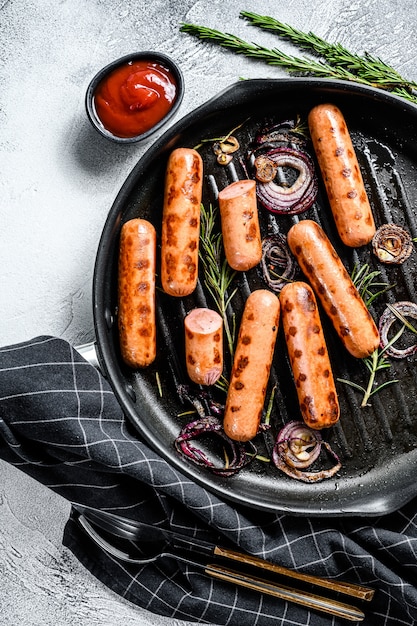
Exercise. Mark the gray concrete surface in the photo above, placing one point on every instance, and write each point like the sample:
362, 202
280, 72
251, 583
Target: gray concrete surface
58, 180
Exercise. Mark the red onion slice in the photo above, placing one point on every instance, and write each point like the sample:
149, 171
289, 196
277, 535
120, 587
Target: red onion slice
392, 244
297, 447
211, 425
278, 264
295, 198
387, 319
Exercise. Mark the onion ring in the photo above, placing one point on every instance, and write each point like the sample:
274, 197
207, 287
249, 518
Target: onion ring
392, 244
278, 264
297, 447
287, 131
387, 319
211, 425
295, 198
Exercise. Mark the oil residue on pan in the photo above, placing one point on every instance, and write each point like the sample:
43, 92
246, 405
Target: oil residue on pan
367, 439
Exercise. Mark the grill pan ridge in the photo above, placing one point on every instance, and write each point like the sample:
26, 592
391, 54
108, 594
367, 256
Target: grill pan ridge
377, 444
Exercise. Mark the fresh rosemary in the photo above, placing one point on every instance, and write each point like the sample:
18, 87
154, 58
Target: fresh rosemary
218, 275
364, 280
375, 362
372, 69
272, 56
334, 61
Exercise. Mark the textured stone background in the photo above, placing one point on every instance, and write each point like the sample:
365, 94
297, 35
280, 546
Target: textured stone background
58, 180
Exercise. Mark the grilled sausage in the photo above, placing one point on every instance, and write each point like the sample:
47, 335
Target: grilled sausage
308, 355
181, 222
251, 365
136, 293
342, 177
204, 345
333, 286
240, 225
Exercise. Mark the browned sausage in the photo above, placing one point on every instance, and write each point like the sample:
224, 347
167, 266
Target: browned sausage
136, 293
251, 365
309, 358
333, 286
181, 222
204, 345
341, 175
240, 225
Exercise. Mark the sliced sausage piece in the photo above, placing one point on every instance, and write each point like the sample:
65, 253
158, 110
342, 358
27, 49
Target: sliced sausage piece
136, 293
251, 365
341, 175
181, 222
240, 225
309, 356
204, 345
333, 286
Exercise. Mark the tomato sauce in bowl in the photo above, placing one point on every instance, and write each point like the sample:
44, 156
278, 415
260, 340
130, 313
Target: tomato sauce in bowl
134, 96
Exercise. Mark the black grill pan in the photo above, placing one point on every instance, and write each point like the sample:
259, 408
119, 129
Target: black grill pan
377, 444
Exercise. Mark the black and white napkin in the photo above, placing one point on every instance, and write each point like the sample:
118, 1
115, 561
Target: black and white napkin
61, 424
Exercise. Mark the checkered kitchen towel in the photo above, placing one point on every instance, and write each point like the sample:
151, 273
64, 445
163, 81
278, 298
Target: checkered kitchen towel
61, 424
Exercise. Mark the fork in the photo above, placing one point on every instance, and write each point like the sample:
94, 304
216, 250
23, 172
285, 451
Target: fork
183, 548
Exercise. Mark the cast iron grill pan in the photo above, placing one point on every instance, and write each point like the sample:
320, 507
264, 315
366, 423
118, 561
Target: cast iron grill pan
377, 444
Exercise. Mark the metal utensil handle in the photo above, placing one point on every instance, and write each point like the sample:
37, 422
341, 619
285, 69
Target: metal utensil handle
351, 589
303, 598
89, 352
133, 531
309, 600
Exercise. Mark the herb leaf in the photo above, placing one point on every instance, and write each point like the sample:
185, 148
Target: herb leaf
218, 275
375, 362
334, 60
368, 67
272, 56
364, 280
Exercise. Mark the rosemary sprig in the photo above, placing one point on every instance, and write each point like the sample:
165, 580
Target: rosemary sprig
272, 56
371, 68
375, 362
218, 275
336, 61
222, 383
364, 280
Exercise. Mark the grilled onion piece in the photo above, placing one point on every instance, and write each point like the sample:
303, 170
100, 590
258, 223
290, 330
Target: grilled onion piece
392, 244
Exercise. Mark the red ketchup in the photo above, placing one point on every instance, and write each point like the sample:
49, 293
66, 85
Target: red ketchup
134, 97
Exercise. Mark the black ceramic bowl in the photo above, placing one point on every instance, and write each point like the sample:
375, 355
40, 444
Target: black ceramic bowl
172, 72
